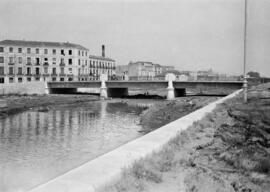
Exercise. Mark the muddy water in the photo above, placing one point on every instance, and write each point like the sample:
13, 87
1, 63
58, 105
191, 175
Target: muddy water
38, 146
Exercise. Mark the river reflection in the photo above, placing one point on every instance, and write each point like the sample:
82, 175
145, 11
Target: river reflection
38, 146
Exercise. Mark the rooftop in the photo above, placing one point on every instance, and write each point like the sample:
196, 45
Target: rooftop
101, 58
24, 43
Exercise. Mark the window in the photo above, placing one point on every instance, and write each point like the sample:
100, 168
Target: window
37, 71
54, 51
28, 50
79, 62
1, 49
19, 79
70, 69
11, 60
79, 52
20, 59
62, 52
62, 62
1, 59
2, 80
28, 70
53, 79
70, 52
82, 53
70, 61
37, 51
19, 50
45, 69
45, 59
28, 78
10, 71
28, 60
11, 80
45, 51
54, 70
2, 71
37, 61
62, 79
54, 60
20, 71
62, 70
11, 49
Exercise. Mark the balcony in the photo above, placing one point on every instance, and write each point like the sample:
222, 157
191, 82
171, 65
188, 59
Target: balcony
28, 74
28, 63
62, 64
46, 74
20, 74
37, 63
11, 63
46, 64
11, 74
54, 74
37, 74
62, 74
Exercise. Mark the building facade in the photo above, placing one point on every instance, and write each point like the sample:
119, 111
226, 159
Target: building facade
25, 61
145, 70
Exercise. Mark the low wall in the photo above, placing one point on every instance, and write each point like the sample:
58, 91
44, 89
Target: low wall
108, 167
35, 87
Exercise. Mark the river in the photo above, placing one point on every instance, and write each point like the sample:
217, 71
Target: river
38, 146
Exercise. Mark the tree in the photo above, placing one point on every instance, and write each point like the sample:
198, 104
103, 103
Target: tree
253, 74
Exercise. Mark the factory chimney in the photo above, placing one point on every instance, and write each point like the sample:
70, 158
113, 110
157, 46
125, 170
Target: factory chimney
103, 50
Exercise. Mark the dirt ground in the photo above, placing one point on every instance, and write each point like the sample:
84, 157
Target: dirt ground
18, 103
227, 151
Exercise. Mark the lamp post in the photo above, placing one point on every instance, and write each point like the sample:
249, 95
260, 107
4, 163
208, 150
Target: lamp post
245, 83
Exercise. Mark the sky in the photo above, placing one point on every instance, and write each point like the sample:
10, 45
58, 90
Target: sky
189, 34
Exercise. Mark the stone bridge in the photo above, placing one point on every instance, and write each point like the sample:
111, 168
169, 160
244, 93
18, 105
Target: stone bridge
174, 88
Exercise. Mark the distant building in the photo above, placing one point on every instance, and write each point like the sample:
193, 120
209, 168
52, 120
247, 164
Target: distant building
166, 68
145, 70
24, 61
121, 71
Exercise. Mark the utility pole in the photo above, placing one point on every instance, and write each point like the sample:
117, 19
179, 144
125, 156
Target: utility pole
245, 83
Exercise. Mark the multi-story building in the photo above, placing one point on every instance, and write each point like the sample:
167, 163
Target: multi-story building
22, 61
145, 70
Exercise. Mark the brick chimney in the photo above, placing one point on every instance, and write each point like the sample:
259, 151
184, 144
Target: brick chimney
103, 50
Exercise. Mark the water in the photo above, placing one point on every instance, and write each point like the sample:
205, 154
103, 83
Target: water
38, 146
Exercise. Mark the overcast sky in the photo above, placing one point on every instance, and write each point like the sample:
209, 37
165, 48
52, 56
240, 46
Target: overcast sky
189, 34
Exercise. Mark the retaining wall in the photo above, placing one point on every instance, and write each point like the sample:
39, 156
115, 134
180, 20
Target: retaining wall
35, 87
106, 168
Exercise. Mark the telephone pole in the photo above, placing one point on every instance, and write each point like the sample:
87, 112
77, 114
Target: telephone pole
245, 83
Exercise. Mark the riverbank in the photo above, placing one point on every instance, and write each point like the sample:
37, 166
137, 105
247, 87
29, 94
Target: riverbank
229, 150
13, 104
167, 111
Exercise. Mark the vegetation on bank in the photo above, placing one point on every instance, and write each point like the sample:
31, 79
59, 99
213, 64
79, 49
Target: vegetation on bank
228, 150
165, 112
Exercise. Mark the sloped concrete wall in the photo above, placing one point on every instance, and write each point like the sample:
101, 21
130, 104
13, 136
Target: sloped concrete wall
106, 168
35, 87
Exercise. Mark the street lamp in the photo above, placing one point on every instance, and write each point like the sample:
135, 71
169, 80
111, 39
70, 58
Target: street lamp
245, 83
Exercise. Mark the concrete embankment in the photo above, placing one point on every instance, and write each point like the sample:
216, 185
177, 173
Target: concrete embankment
108, 167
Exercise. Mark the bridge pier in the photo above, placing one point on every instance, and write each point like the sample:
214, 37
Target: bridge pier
170, 89
103, 88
